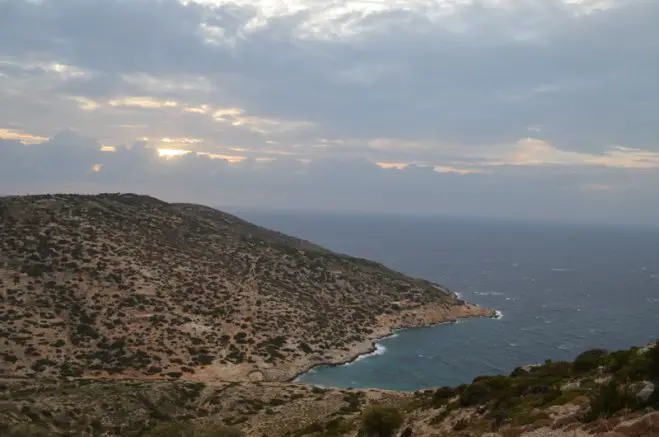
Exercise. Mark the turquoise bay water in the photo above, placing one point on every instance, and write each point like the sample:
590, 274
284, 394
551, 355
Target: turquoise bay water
561, 289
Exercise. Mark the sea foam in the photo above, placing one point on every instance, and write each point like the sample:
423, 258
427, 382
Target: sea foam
379, 350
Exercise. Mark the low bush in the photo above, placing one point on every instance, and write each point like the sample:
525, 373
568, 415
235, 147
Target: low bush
310, 429
590, 360
485, 389
610, 399
653, 362
381, 421
186, 429
442, 395
460, 425
633, 365
26, 430
620, 359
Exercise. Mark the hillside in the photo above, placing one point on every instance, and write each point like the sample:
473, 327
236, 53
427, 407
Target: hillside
128, 286
600, 394
125, 316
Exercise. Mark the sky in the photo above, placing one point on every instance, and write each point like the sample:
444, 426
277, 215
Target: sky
531, 109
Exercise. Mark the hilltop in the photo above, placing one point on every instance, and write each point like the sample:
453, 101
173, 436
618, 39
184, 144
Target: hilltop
130, 287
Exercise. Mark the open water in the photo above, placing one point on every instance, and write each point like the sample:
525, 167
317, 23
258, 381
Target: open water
561, 289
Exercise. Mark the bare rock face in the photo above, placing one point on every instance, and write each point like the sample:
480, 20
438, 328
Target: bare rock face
564, 421
128, 286
645, 391
643, 427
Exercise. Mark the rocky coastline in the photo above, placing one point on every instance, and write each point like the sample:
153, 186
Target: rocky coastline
426, 316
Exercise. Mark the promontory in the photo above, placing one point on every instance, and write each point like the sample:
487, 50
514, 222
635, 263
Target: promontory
125, 286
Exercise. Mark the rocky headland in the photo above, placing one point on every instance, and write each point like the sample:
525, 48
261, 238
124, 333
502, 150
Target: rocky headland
126, 316
128, 286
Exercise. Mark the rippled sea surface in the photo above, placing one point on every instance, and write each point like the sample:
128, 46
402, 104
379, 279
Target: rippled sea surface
561, 289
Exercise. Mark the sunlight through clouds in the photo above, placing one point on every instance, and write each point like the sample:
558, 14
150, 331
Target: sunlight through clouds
23, 137
224, 114
349, 18
202, 109
155, 84
172, 153
437, 101
54, 69
531, 151
143, 102
84, 103
231, 159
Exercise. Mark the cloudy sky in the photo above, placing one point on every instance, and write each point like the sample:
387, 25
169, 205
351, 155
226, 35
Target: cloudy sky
511, 108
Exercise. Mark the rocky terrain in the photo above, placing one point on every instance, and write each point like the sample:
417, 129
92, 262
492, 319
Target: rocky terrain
125, 316
132, 408
600, 394
127, 286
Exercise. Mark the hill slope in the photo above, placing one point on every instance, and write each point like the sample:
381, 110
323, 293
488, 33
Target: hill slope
600, 394
128, 286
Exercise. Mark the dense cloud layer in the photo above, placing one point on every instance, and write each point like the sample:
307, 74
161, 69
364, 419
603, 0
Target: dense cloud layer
533, 108
71, 164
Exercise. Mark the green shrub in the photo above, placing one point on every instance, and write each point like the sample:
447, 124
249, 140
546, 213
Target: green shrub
523, 417
317, 390
171, 429
475, 394
635, 367
337, 427
620, 359
519, 371
485, 389
27, 430
552, 369
653, 362
589, 360
215, 430
310, 429
567, 397
186, 429
461, 388
552, 395
381, 421
461, 424
442, 395
610, 399
499, 417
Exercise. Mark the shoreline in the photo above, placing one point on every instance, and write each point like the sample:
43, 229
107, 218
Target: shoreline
392, 331
371, 351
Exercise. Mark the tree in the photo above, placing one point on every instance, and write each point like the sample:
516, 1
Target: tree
653, 362
610, 399
381, 421
589, 360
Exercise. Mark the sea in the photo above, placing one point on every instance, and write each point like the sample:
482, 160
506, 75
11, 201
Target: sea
559, 289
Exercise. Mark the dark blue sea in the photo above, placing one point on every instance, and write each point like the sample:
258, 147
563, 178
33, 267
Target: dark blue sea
561, 289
